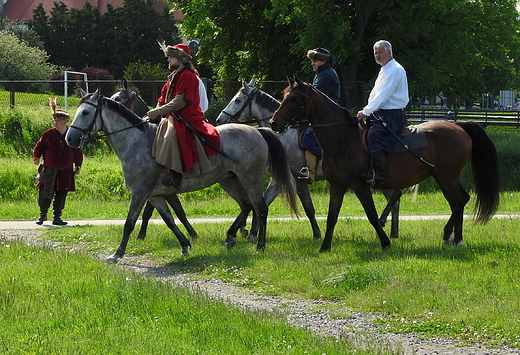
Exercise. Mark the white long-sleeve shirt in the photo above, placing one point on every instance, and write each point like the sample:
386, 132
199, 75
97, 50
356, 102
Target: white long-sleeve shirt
390, 91
203, 96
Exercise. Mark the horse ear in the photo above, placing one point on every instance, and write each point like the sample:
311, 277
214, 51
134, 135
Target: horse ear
82, 92
290, 80
298, 81
252, 83
124, 84
96, 94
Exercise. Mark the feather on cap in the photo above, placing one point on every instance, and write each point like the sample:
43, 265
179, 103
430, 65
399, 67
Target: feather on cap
57, 114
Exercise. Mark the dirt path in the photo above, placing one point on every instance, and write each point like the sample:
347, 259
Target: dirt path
358, 328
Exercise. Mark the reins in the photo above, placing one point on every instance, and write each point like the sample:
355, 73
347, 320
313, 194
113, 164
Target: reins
99, 111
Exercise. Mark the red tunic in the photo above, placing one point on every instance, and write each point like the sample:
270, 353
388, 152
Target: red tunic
186, 82
57, 154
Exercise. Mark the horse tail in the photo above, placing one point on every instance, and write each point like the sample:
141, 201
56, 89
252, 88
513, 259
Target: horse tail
279, 169
485, 170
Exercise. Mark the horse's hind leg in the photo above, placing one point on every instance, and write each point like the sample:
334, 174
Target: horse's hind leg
457, 197
147, 214
232, 186
174, 201
392, 205
159, 202
302, 189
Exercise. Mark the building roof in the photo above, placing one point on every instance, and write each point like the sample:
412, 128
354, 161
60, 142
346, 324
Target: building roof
22, 10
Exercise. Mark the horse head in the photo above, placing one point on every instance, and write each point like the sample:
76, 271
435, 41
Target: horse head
86, 120
130, 99
294, 101
235, 111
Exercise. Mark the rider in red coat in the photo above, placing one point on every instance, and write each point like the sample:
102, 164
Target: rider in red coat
175, 146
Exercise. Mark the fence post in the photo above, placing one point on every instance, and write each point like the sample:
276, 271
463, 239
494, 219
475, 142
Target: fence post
11, 95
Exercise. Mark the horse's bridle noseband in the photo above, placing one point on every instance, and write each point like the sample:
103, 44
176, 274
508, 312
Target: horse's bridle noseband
85, 137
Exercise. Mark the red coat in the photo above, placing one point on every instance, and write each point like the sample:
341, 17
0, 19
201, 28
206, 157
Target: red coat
57, 154
187, 82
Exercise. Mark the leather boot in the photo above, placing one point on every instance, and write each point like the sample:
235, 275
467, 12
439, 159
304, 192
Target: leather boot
378, 172
42, 218
309, 172
57, 221
173, 178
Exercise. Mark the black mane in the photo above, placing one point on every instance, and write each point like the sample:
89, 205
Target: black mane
117, 107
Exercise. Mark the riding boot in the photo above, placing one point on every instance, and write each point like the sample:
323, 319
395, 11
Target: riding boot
59, 205
43, 216
378, 170
309, 172
173, 178
44, 204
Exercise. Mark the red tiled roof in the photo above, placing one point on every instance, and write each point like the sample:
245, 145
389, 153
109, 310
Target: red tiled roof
22, 10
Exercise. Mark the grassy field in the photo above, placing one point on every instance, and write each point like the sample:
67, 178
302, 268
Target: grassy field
468, 292
56, 302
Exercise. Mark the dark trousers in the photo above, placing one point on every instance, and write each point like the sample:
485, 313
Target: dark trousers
379, 138
58, 205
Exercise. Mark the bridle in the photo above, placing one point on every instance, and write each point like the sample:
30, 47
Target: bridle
85, 136
247, 103
296, 119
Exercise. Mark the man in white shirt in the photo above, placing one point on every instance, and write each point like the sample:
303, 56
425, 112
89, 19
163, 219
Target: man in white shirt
386, 102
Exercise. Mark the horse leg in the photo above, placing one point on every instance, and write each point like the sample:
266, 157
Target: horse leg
336, 193
232, 186
457, 197
147, 214
365, 197
136, 204
159, 202
392, 205
302, 188
174, 201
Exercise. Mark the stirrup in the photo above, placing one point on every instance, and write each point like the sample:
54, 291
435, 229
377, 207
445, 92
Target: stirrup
304, 173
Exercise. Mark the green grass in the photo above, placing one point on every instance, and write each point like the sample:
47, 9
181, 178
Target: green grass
468, 292
55, 302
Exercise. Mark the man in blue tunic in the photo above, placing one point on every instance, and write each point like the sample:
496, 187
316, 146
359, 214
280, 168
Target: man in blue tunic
326, 80
386, 104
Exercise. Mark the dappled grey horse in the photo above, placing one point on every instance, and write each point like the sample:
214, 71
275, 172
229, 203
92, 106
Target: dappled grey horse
252, 105
131, 100
131, 138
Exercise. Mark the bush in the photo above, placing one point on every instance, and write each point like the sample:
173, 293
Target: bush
19, 61
145, 71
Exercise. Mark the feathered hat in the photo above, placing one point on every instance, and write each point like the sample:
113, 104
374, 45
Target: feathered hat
57, 114
180, 51
319, 54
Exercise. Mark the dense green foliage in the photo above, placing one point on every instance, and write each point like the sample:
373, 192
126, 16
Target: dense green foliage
79, 38
19, 61
456, 47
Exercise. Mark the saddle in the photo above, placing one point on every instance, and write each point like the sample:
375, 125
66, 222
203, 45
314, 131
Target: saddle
414, 137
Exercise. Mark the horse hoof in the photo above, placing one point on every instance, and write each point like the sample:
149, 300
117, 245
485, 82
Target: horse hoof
244, 232
250, 239
260, 247
230, 244
185, 251
112, 259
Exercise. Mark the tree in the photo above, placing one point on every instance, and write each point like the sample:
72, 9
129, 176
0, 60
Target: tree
80, 38
446, 46
19, 61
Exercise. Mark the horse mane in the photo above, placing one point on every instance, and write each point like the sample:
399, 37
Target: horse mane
120, 109
345, 111
267, 101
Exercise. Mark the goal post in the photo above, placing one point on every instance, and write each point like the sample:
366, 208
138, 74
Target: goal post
66, 84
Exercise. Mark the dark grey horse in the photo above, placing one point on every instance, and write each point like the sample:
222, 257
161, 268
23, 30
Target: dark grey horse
252, 105
132, 139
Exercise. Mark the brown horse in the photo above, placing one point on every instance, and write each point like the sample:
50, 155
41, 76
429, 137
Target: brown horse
450, 146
